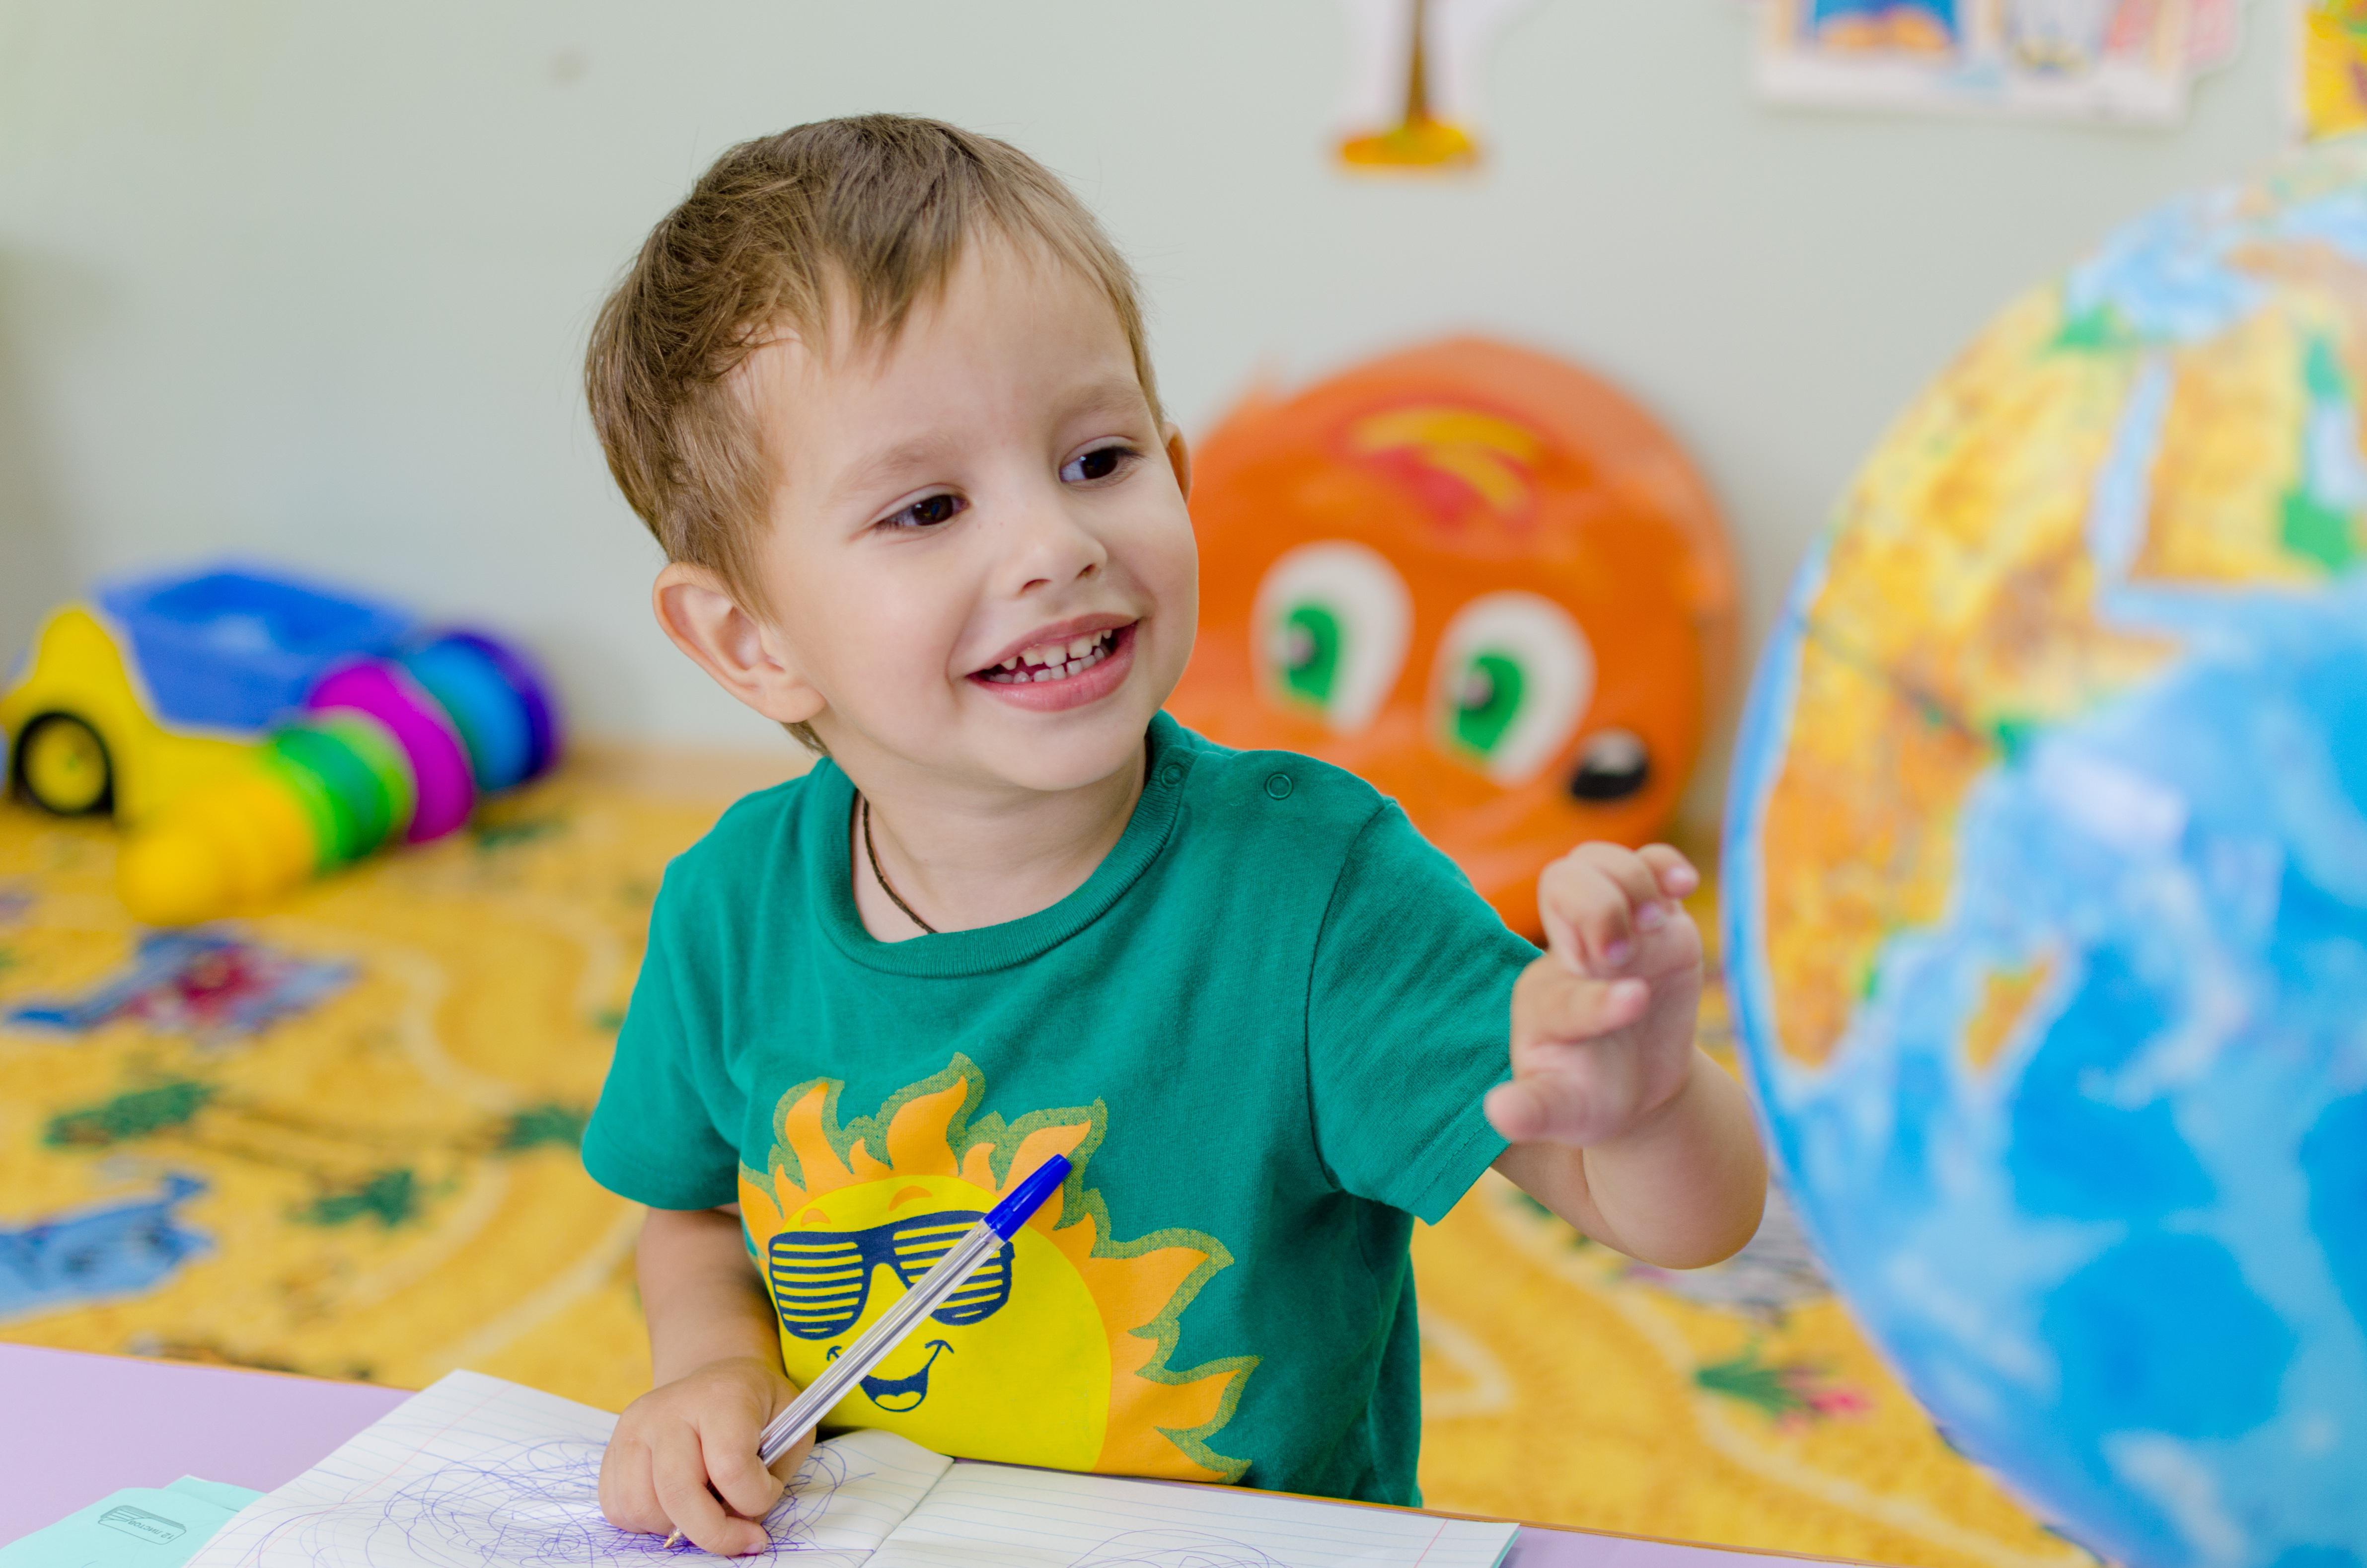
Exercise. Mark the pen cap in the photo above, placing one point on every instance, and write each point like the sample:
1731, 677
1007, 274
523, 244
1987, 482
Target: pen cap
1005, 1217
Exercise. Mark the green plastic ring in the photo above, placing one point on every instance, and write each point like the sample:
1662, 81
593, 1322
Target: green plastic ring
376, 745
360, 809
314, 798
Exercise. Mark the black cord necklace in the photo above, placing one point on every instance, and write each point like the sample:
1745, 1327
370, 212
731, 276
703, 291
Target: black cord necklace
872, 851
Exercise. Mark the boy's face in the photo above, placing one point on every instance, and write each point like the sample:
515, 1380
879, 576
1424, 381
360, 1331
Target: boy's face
979, 562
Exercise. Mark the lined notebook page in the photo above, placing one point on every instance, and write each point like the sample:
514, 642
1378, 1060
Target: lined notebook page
475, 1471
985, 1516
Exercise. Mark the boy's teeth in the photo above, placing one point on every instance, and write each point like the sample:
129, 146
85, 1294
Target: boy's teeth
1053, 661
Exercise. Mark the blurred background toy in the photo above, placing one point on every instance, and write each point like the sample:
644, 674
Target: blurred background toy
251, 730
2047, 881
1479, 577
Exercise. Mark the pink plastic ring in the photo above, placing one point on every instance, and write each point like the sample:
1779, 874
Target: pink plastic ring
439, 765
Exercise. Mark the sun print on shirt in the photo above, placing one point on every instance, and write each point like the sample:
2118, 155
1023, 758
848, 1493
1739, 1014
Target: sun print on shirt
1056, 1353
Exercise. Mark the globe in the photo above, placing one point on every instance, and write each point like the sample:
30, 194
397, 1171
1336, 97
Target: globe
2047, 886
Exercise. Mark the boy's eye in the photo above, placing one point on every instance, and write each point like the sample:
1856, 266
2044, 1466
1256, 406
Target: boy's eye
1099, 463
927, 512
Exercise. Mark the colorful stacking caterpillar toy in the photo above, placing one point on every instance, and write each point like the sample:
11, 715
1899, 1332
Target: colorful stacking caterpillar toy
251, 732
387, 751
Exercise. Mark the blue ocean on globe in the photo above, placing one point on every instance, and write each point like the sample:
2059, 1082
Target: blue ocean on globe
2127, 1267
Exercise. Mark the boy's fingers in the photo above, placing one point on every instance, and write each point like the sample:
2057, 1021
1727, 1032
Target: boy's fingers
1586, 916
626, 1499
1552, 1005
1530, 1109
791, 1457
680, 1476
732, 1469
1676, 875
1517, 1112
1628, 870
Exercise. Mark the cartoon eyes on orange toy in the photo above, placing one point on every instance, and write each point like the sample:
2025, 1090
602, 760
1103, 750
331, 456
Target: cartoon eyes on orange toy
1330, 631
1514, 675
1512, 679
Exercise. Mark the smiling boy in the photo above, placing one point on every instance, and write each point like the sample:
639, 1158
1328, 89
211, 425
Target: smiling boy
880, 389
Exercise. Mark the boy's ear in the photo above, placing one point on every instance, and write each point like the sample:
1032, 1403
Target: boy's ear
745, 655
1179, 458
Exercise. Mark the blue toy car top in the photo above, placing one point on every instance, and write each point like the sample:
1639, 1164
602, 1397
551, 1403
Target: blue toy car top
229, 648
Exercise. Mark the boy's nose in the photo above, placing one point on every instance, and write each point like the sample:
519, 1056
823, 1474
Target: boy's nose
1050, 548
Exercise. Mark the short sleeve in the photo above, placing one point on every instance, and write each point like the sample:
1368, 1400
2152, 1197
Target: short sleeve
1408, 1022
654, 1137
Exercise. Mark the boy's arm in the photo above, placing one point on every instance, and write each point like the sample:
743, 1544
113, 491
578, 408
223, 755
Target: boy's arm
1618, 1123
1681, 1189
701, 1298
685, 1453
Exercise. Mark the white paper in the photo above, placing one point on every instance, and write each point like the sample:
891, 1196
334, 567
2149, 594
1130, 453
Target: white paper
476, 1470
987, 1516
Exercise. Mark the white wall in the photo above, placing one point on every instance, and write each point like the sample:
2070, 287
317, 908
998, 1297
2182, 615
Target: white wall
312, 279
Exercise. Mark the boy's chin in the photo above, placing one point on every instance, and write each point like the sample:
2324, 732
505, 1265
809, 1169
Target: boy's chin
1076, 751
1071, 763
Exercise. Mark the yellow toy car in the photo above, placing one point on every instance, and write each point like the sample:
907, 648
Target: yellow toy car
151, 687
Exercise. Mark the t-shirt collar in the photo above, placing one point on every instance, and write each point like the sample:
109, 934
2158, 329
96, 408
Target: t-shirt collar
829, 854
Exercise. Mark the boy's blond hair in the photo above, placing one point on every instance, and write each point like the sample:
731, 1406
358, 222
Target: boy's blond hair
865, 216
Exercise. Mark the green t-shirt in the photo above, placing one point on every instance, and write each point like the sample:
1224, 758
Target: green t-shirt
1261, 1030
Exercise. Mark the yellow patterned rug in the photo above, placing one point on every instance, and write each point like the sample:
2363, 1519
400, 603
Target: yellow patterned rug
340, 1139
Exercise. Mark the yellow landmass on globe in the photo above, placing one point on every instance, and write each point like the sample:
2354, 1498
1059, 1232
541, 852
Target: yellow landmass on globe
1955, 611
1957, 614
2229, 457
2006, 998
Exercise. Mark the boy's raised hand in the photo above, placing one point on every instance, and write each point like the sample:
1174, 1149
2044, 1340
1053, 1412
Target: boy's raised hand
1602, 1025
683, 1457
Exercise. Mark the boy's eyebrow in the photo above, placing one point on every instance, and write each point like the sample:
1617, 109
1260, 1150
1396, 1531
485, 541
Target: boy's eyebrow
1113, 395
887, 463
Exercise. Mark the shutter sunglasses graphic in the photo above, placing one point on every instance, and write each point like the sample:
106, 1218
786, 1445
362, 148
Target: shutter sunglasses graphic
823, 1278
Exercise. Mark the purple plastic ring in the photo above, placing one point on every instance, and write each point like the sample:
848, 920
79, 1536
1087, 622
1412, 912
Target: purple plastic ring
440, 764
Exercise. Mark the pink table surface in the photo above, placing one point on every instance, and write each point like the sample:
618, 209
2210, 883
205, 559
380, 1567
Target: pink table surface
75, 1427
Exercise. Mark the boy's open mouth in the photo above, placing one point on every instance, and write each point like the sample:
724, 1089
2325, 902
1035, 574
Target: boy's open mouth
1056, 661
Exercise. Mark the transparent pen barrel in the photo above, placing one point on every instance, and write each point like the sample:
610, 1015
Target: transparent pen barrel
854, 1363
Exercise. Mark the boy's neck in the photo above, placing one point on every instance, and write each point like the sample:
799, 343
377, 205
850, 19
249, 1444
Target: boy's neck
963, 857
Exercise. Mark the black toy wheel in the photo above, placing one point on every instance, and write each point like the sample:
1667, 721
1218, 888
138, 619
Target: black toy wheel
63, 766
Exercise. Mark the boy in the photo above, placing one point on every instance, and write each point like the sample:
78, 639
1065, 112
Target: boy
880, 389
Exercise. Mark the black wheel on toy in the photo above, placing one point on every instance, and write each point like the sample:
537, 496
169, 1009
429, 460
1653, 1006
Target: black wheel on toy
63, 767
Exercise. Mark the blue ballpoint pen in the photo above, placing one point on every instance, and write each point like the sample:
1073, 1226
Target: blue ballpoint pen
949, 1274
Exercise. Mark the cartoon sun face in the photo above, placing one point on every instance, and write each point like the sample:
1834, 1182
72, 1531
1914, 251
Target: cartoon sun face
1053, 1354
855, 1252
1481, 579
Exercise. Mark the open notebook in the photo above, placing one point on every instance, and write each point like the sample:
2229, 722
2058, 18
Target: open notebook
476, 1469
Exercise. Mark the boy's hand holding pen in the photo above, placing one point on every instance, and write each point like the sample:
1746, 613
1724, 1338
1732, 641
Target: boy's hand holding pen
694, 1449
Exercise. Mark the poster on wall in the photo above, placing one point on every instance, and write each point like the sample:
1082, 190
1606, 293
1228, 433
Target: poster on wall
2128, 61
1414, 70
2332, 98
